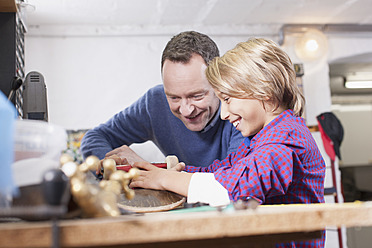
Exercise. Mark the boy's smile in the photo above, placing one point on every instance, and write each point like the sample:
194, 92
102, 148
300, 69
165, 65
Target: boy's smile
236, 123
248, 115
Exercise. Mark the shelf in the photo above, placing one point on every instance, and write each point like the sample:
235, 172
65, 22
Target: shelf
314, 128
8, 6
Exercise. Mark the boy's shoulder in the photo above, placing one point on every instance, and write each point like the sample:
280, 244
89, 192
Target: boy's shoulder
290, 124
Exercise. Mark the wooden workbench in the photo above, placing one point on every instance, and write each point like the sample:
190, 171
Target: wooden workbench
265, 224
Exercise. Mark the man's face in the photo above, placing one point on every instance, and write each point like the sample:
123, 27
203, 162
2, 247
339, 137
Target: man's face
190, 96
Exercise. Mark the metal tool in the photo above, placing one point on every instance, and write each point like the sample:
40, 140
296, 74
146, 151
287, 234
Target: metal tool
17, 82
246, 203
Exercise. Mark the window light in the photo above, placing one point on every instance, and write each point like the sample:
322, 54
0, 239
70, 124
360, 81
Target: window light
360, 84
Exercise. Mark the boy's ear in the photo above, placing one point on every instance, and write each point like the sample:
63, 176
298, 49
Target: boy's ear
269, 105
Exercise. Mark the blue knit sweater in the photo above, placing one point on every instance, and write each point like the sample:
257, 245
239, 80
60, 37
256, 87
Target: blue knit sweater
149, 118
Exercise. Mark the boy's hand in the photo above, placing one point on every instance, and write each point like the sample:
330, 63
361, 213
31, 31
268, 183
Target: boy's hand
178, 167
150, 176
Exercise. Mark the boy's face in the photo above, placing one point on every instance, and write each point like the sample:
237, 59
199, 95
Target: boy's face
247, 115
190, 96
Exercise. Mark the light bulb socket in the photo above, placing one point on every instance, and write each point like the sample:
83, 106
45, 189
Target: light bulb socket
312, 45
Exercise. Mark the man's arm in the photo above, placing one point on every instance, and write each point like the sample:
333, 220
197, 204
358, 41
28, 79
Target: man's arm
236, 140
132, 125
127, 153
95, 143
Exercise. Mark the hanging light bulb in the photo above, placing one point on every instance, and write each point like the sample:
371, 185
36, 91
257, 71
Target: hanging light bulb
312, 45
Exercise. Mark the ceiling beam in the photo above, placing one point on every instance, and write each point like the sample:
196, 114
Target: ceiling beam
330, 29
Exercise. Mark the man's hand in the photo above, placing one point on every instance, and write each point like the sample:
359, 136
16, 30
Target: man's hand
118, 161
122, 155
125, 152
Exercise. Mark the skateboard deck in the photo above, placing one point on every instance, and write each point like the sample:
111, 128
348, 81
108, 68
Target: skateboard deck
150, 200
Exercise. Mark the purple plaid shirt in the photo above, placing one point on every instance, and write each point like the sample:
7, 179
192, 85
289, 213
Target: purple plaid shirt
281, 164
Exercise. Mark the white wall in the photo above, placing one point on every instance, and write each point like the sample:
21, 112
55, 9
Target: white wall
356, 145
90, 78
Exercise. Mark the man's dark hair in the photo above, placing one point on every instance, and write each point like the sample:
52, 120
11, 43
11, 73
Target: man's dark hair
182, 46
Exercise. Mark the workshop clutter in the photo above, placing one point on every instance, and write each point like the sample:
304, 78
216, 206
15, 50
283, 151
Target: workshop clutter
37, 148
7, 118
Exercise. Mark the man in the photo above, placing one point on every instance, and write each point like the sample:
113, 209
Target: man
181, 116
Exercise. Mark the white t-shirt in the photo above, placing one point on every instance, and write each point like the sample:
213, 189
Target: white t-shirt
206, 189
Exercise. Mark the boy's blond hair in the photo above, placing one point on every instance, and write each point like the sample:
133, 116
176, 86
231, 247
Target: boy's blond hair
259, 69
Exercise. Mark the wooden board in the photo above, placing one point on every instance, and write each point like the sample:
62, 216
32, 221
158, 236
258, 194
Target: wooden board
149, 200
167, 229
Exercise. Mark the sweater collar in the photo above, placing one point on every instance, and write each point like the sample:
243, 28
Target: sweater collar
213, 122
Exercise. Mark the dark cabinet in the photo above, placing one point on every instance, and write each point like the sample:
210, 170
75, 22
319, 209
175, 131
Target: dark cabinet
12, 56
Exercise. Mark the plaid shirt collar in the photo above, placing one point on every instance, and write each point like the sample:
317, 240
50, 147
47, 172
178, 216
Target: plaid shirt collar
254, 140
